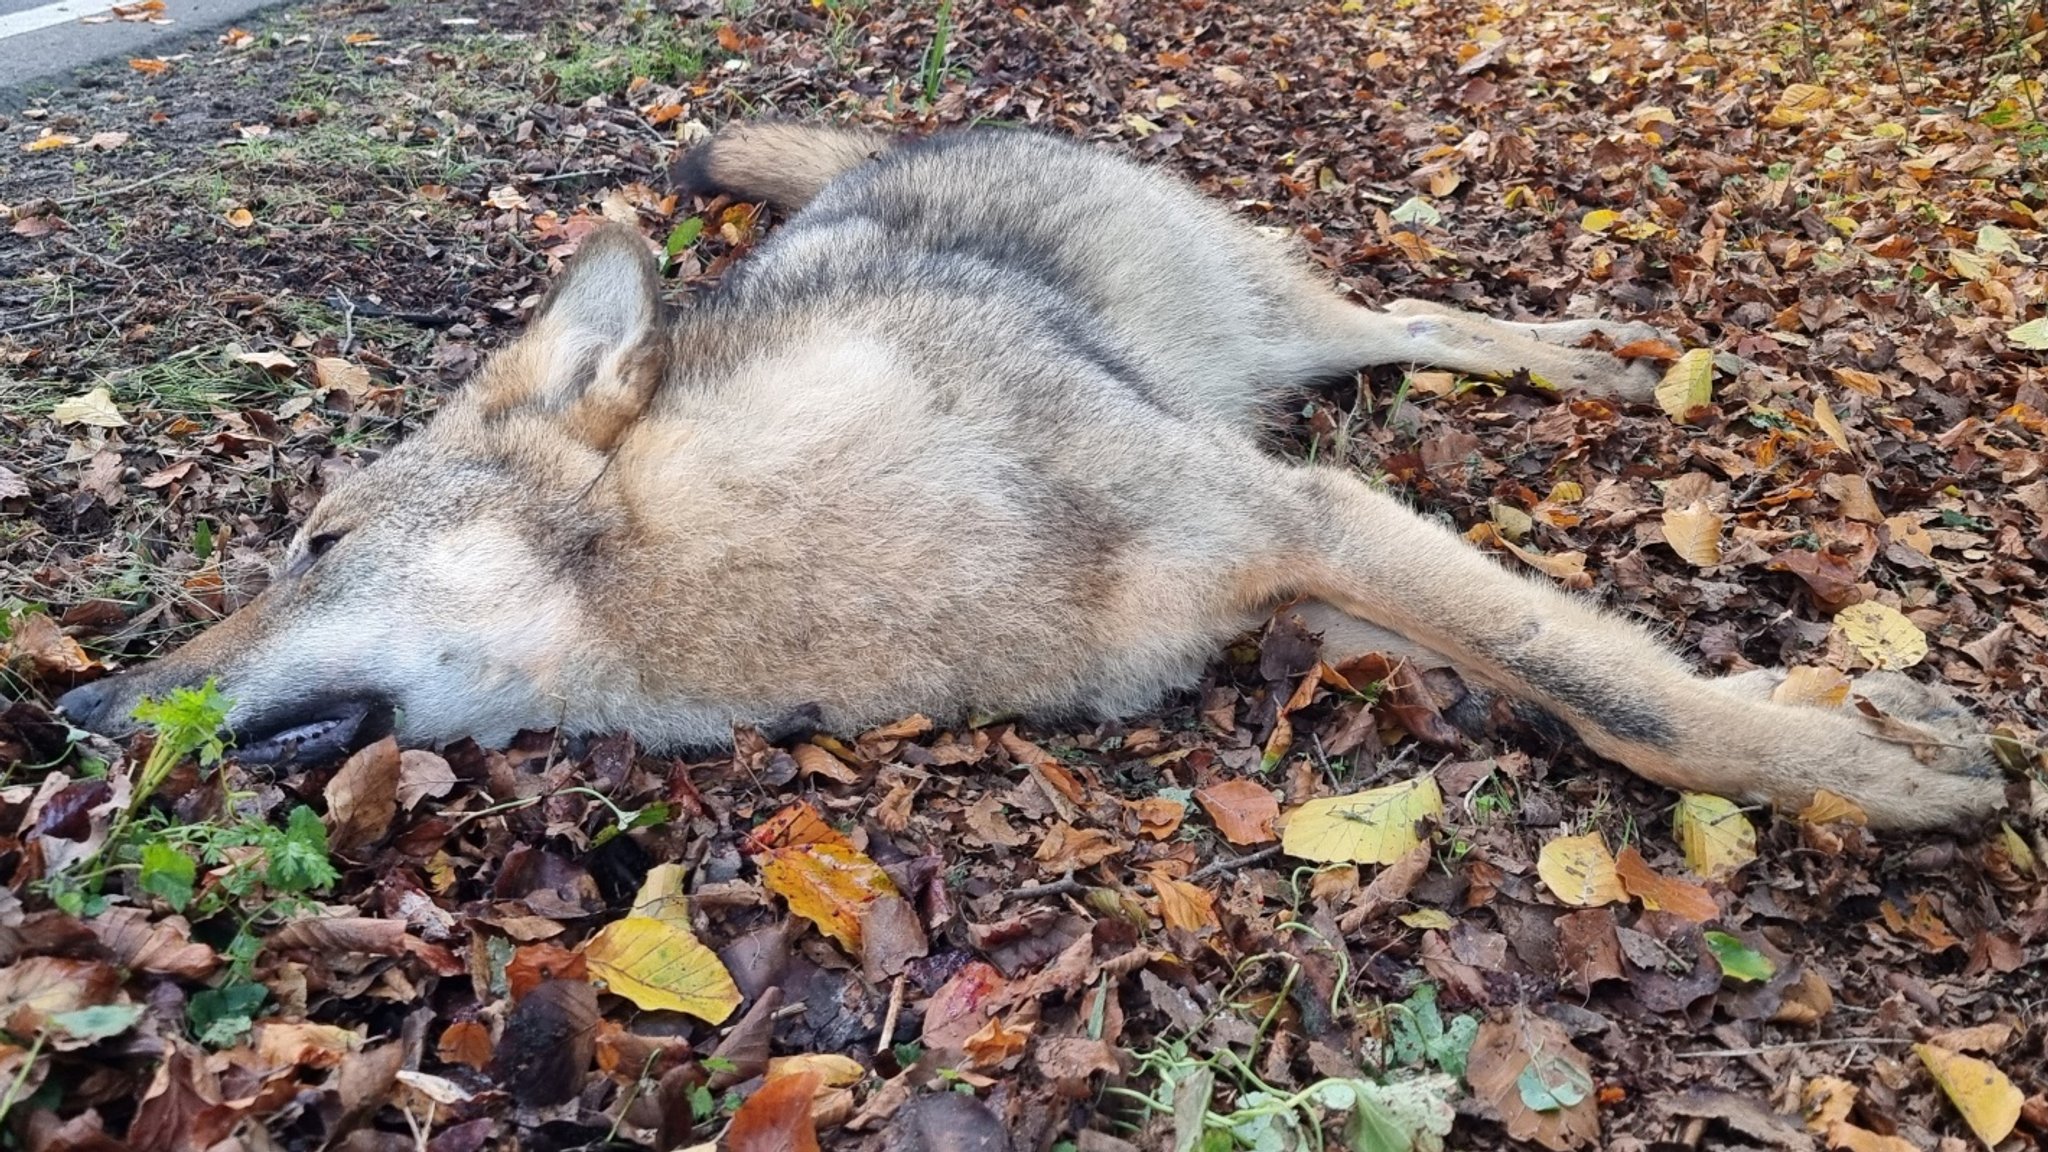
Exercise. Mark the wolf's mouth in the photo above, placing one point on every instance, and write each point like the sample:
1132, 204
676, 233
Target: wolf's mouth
323, 731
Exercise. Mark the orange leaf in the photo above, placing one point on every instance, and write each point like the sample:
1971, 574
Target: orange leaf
1182, 905
831, 885
466, 1042
150, 66
1659, 892
1243, 810
536, 964
777, 1118
996, 1042
794, 827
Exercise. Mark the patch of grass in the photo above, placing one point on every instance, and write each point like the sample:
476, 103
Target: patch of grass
585, 67
195, 382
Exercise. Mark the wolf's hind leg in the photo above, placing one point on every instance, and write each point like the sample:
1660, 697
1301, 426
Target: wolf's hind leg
1623, 693
1346, 336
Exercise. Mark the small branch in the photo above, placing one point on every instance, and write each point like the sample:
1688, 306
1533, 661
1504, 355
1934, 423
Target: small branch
86, 197
1219, 867
1787, 1046
889, 1020
1064, 886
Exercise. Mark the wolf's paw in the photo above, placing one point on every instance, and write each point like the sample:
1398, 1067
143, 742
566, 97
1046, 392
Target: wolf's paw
1911, 754
1601, 371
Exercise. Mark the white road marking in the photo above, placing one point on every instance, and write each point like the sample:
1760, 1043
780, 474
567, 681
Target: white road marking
49, 16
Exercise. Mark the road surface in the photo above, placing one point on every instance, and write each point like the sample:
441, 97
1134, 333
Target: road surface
43, 42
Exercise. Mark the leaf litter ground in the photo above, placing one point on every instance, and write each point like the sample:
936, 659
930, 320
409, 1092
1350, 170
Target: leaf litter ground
236, 272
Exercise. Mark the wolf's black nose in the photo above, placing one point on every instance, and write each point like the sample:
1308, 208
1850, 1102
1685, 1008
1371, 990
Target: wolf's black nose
83, 704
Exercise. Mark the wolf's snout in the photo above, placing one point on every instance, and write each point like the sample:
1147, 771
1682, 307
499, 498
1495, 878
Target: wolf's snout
87, 704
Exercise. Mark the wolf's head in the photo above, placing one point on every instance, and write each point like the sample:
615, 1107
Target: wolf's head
437, 587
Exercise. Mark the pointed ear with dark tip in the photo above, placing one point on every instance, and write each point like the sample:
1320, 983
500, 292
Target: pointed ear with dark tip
596, 349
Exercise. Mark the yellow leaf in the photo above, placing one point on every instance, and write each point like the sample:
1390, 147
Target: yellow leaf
1694, 532
660, 966
661, 896
1805, 686
95, 408
1829, 808
1824, 415
831, 885
1713, 833
1882, 635
1599, 219
1580, 871
45, 143
835, 1070
1969, 265
1428, 919
1989, 1102
1375, 827
2018, 851
1688, 384
1795, 103
241, 218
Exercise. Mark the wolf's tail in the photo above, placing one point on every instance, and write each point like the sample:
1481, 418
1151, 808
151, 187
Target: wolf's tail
784, 164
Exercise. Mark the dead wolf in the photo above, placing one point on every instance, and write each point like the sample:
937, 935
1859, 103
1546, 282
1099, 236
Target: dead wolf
974, 431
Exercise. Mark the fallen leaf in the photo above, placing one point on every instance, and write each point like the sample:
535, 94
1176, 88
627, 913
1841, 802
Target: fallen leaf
1687, 384
1882, 635
1525, 1070
1812, 687
1184, 906
1375, 827
96, 408
1738, 960
1824, 415
777, 1117
1694, 532
1714, 835
1579, 871
830, 885
660, 966
422, 775
833, 1069
1988, 1102
1661, 893
1829, 808
363, 797
2032, 335
1244, 810
1599, 219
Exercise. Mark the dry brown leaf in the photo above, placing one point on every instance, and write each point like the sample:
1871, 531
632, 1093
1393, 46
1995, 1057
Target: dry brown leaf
363, 797
1694, 532
1243, 810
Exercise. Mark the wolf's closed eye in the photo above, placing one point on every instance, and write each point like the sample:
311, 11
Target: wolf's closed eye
319, 545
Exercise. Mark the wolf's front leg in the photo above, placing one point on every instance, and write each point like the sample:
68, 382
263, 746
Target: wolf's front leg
1629, 698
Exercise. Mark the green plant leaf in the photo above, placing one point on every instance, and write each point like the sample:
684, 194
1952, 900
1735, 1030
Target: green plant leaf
221, 1016
1738, 960
296, 861
168, 874
97, 1023
1549, 1084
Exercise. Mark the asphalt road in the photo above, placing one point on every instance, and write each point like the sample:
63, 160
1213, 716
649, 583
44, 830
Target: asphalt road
43, 43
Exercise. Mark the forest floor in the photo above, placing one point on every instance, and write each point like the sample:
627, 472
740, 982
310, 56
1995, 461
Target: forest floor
233, 274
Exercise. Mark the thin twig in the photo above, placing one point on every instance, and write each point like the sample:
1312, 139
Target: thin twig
49, 321
889, 1018
576, 175
1788, 1046
1219, 867
146, 181
1064, 886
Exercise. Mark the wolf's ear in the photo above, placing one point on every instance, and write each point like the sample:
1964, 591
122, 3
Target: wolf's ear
596, 350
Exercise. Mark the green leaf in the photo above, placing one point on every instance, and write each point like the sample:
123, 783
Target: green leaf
1738, 960
187, 721
168, 873
98, 1023
2033, 334
221, 1016
296, 861
682, 236
1549, 1084
1416, 210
